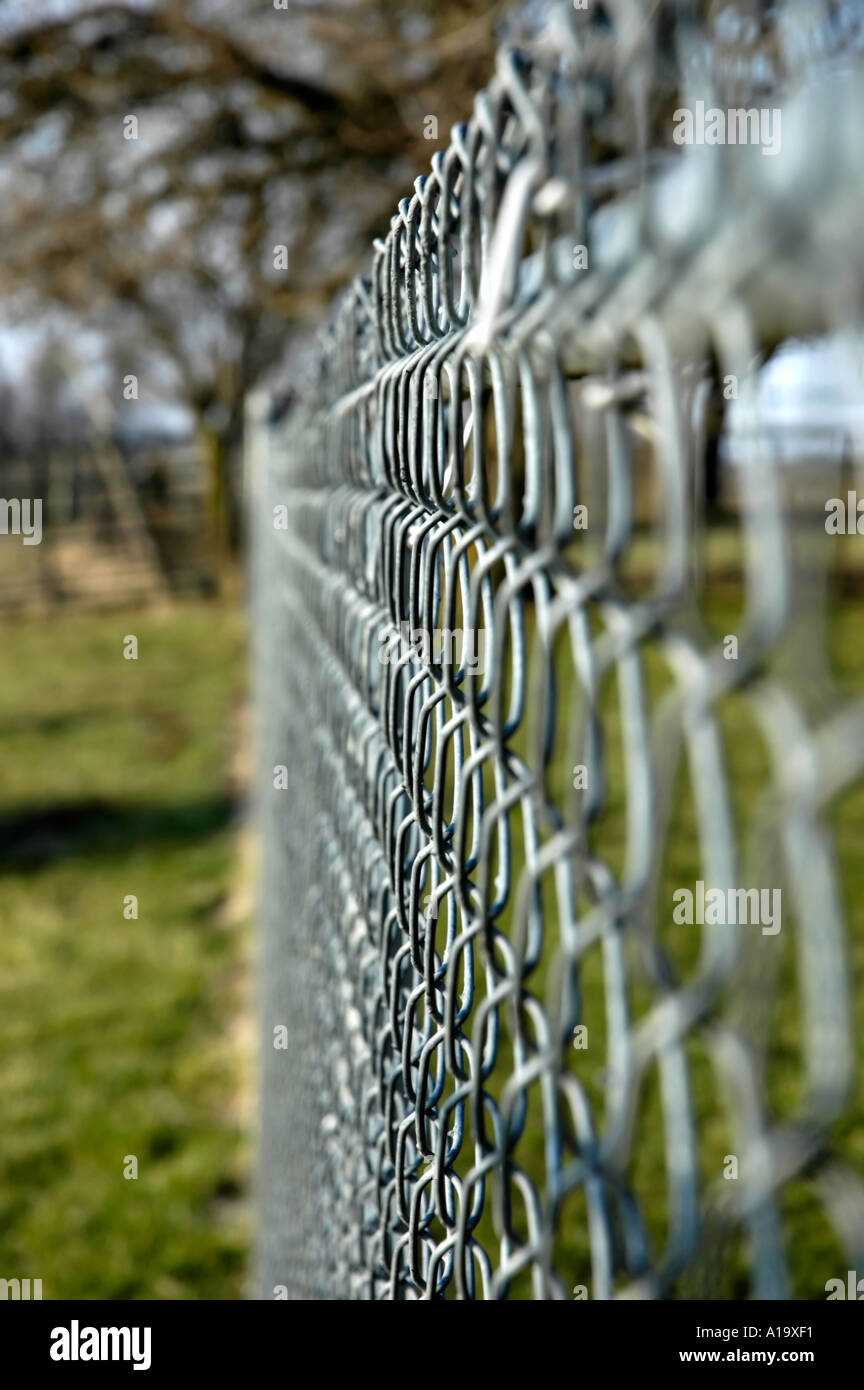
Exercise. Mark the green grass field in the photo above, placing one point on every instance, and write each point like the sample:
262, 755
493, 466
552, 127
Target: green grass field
120, 1036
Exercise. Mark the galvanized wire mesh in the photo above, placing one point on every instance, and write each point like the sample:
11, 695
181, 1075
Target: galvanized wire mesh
468, 862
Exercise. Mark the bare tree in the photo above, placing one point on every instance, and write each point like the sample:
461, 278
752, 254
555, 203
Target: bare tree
194, 179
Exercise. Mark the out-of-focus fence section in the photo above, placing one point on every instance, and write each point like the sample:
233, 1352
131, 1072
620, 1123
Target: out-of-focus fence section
113, 527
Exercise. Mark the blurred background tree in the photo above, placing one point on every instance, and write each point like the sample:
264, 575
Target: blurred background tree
185, 183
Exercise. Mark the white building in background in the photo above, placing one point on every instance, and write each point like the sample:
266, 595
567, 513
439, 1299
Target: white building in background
807, 408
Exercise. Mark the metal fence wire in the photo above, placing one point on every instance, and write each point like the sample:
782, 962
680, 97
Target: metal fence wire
550, 628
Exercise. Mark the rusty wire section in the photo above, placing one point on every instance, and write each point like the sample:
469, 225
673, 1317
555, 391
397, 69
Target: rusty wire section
440, 913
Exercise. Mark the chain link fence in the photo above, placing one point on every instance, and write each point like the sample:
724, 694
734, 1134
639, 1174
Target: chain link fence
551, 634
